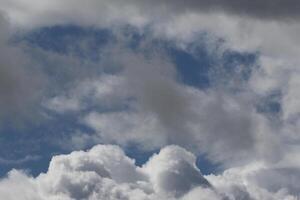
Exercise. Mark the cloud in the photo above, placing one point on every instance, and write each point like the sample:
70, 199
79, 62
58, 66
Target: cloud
146, 103
278, 52
104, 91
105, 172
175, 19
173, 170
20, 83
137, 12
258, 9
19, 161
153, 108
252, 182
162, 111
241, 33
278, 178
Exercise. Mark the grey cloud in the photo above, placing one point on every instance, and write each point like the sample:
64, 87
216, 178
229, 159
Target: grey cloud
216, 122
278, 178
266, 9
140, 12
255, 181
30, 75
152, 108
20, 83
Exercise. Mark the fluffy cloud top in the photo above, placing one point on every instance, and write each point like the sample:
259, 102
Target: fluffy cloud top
105, 172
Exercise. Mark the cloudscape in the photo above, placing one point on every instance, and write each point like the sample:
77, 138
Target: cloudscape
149, 99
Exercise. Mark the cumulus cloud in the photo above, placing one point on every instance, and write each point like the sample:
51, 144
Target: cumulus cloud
250, 182
173, 170
105, 172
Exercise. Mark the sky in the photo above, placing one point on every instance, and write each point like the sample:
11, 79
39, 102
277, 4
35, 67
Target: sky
144, 100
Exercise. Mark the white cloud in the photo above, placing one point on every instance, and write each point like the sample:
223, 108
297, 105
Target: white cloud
248, 183
105, 172
173, 170
62, 104
123, 128
105, 91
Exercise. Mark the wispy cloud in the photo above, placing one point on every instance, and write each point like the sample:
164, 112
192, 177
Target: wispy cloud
26, 159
